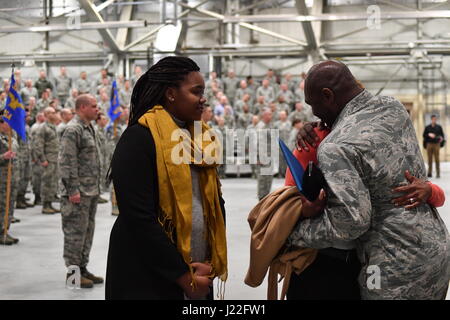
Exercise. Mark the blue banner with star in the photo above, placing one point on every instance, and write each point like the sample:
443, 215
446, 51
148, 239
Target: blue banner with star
14, 113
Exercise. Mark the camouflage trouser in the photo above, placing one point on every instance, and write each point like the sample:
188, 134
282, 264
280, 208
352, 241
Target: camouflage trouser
24, 177
49, 182
264, 183
13, 194
221, 170
78, 224
36, 178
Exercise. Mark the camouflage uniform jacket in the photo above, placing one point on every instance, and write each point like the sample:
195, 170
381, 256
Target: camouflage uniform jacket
79, 159
365, 156
4, 148
47, 143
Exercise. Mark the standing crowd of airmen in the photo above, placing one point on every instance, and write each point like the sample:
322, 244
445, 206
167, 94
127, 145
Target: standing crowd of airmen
68, 149
51, 108
275, 102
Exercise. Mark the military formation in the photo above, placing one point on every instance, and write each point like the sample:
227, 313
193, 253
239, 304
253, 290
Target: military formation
272, 102
36, 163
244, 104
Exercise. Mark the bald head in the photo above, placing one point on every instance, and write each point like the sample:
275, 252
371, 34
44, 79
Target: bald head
329, 86
82, 100
329, 74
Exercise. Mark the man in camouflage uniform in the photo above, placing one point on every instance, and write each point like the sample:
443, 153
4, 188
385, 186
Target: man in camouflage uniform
70, 102
79, 161
265, 166
113, 134
404, 253
24, 166
284, 128
63, 84
42, 84
36, 168
66, 116
221, 131
249, 132
100, 128
5, 157
47, 148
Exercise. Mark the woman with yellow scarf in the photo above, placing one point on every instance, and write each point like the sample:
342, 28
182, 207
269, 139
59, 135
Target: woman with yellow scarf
169, 240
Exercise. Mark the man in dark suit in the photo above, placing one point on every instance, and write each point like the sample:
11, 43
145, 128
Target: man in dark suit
433, 140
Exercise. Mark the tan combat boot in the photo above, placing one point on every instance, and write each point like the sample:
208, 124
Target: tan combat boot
85, 283
85, 273
48, 209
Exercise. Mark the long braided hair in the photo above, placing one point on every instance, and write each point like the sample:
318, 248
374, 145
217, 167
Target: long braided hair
151, 87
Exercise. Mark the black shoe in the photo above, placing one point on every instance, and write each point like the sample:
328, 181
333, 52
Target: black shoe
85, 273
14, 240
6, 241
15, 220
429, 175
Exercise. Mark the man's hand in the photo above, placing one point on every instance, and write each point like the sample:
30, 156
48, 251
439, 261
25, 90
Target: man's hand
9, 155
415, 193
306, 135
44, 164
315, 208
76, 198
202, 285
432, 135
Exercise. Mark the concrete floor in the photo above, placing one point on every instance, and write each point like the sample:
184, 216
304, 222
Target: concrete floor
34, 268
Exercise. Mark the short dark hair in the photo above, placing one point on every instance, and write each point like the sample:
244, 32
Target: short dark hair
433, 116
150, 89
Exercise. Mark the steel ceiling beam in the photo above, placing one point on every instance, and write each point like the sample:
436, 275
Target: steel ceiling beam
122, 33
104, 5
92, 14
307, 26
154, 31
246, 25
82, 26
356, 16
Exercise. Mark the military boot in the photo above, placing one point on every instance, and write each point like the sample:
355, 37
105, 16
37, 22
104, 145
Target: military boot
20, 203
85, 283
37, 200
6, 241
48, 209
85, 273
102, 200
14, 240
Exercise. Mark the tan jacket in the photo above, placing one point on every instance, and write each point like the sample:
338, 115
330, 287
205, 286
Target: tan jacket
271, 222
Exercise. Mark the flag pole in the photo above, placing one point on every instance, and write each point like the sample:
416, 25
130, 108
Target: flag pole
8, 179
8, 188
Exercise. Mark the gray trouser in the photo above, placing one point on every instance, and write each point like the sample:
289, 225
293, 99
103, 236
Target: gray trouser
13, 194
49, 182
264, 183
78, 224
36, 177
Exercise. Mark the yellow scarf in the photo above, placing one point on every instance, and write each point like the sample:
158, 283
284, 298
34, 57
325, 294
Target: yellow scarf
175, 186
